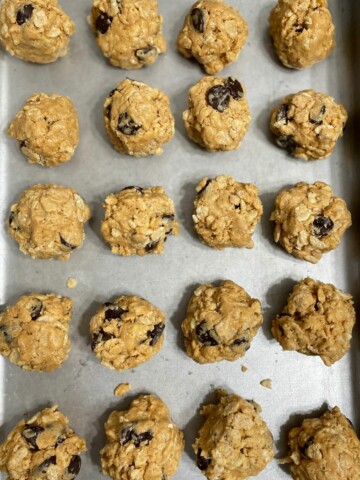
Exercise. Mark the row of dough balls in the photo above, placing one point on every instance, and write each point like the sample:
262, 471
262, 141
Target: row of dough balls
129, 32
143, 442
138, 121
221, 321
48, 220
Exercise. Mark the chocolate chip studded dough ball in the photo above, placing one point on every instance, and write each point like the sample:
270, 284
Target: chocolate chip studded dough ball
234, 442
34, 333
47, 129
213, 33
138, 119
38, 31
317, 320
308, 124
48, 221
43, 447
218, 115
226, 212
142, 442
324, 448
138, 221
220, 322
309, 220
303, 32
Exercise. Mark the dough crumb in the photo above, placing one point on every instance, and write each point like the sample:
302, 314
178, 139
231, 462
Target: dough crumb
71, 282
122, 389
267, 383
244, 368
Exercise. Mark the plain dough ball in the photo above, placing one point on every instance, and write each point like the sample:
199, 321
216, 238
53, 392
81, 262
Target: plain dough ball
127, 332
218, 115
43, 447
303, 32
47, 128
317, 320
324, 448
308, 124
220, 322
37, 32
128, 31
234, 442
138, 221
309, 220
138, 119
142, 442
48, 221
226, 212
213, 33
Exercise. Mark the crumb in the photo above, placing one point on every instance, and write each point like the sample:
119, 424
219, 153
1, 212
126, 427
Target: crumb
121, 389
243, 368
71, 283
267, 383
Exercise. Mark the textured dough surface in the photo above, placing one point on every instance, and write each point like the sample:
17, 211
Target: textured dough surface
142, 442
317, 320
220, 322
221, 128
234, 443
37, 32
48, 221
47, 128
213, 33
34, 333
128, 31
324, 448
308, 124
127, 332
43, 447
138, 221
309, 220
303, 32
226, 212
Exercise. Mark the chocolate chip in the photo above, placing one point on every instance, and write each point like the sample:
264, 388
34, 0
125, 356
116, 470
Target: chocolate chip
108, 111
114, 312
60, 439
235, 88
23, 144
31, 433
208, 181
156, 333
299, 28
74, 467
240, 341
151, 246
350, 423
125, 435
7, 336
307, 444
144, 54
201, 461
318, 120
317, 306
204, 335
128, 434
103, 22
322, 226
100, 336
218, 97
24, 14
67, 244
168, 216
126, 124
138, 189
111, 94
12, 222
197, 19
35, 308
46, 464
144, 437
238, 207
282, 114
287, 142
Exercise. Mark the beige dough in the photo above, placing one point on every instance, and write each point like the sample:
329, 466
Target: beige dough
48, 221
324, 448
317, 320
127, 332
47, 129
138, 221
309, 220
142, 442
37, 32
128, 31
234, 443
303, 32
43, 447
226, 212
213, 33
218, 115
220, 322
308, 124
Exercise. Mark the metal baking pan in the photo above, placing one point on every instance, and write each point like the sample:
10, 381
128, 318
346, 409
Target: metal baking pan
83, 388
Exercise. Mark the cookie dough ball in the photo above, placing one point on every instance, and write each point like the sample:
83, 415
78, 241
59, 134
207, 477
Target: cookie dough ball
324, 448
303, 32
142, 442
220, 322
34, 333
43, 447
48, 221
47, 129
37, 32
213, 33
218, 115
127, 332
234, 442
317, 320
309, 220
308, 124
138, 221
226, 212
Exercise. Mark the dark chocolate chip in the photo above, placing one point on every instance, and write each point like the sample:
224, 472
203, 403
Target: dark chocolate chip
67, 244
235, 88
240, 341
114, 312
30, 433
108, 111
128, 434
35, 309
307, 444
282, 114
23, 144
287, 142
201, 461
197, 19
12, 222
156, 333
138, 189
151, 246
7, 336
126, 124
144, 437
46, 464
60, 439
24, 14
111, 94
103, 22
100, 336
318, 120
208, 181
74, 467
204, 335
144, 54
238, 207
322, 226
168, 216
317, 306
299, 28
218, 97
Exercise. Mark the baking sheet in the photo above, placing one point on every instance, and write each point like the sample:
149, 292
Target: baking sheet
82, 387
